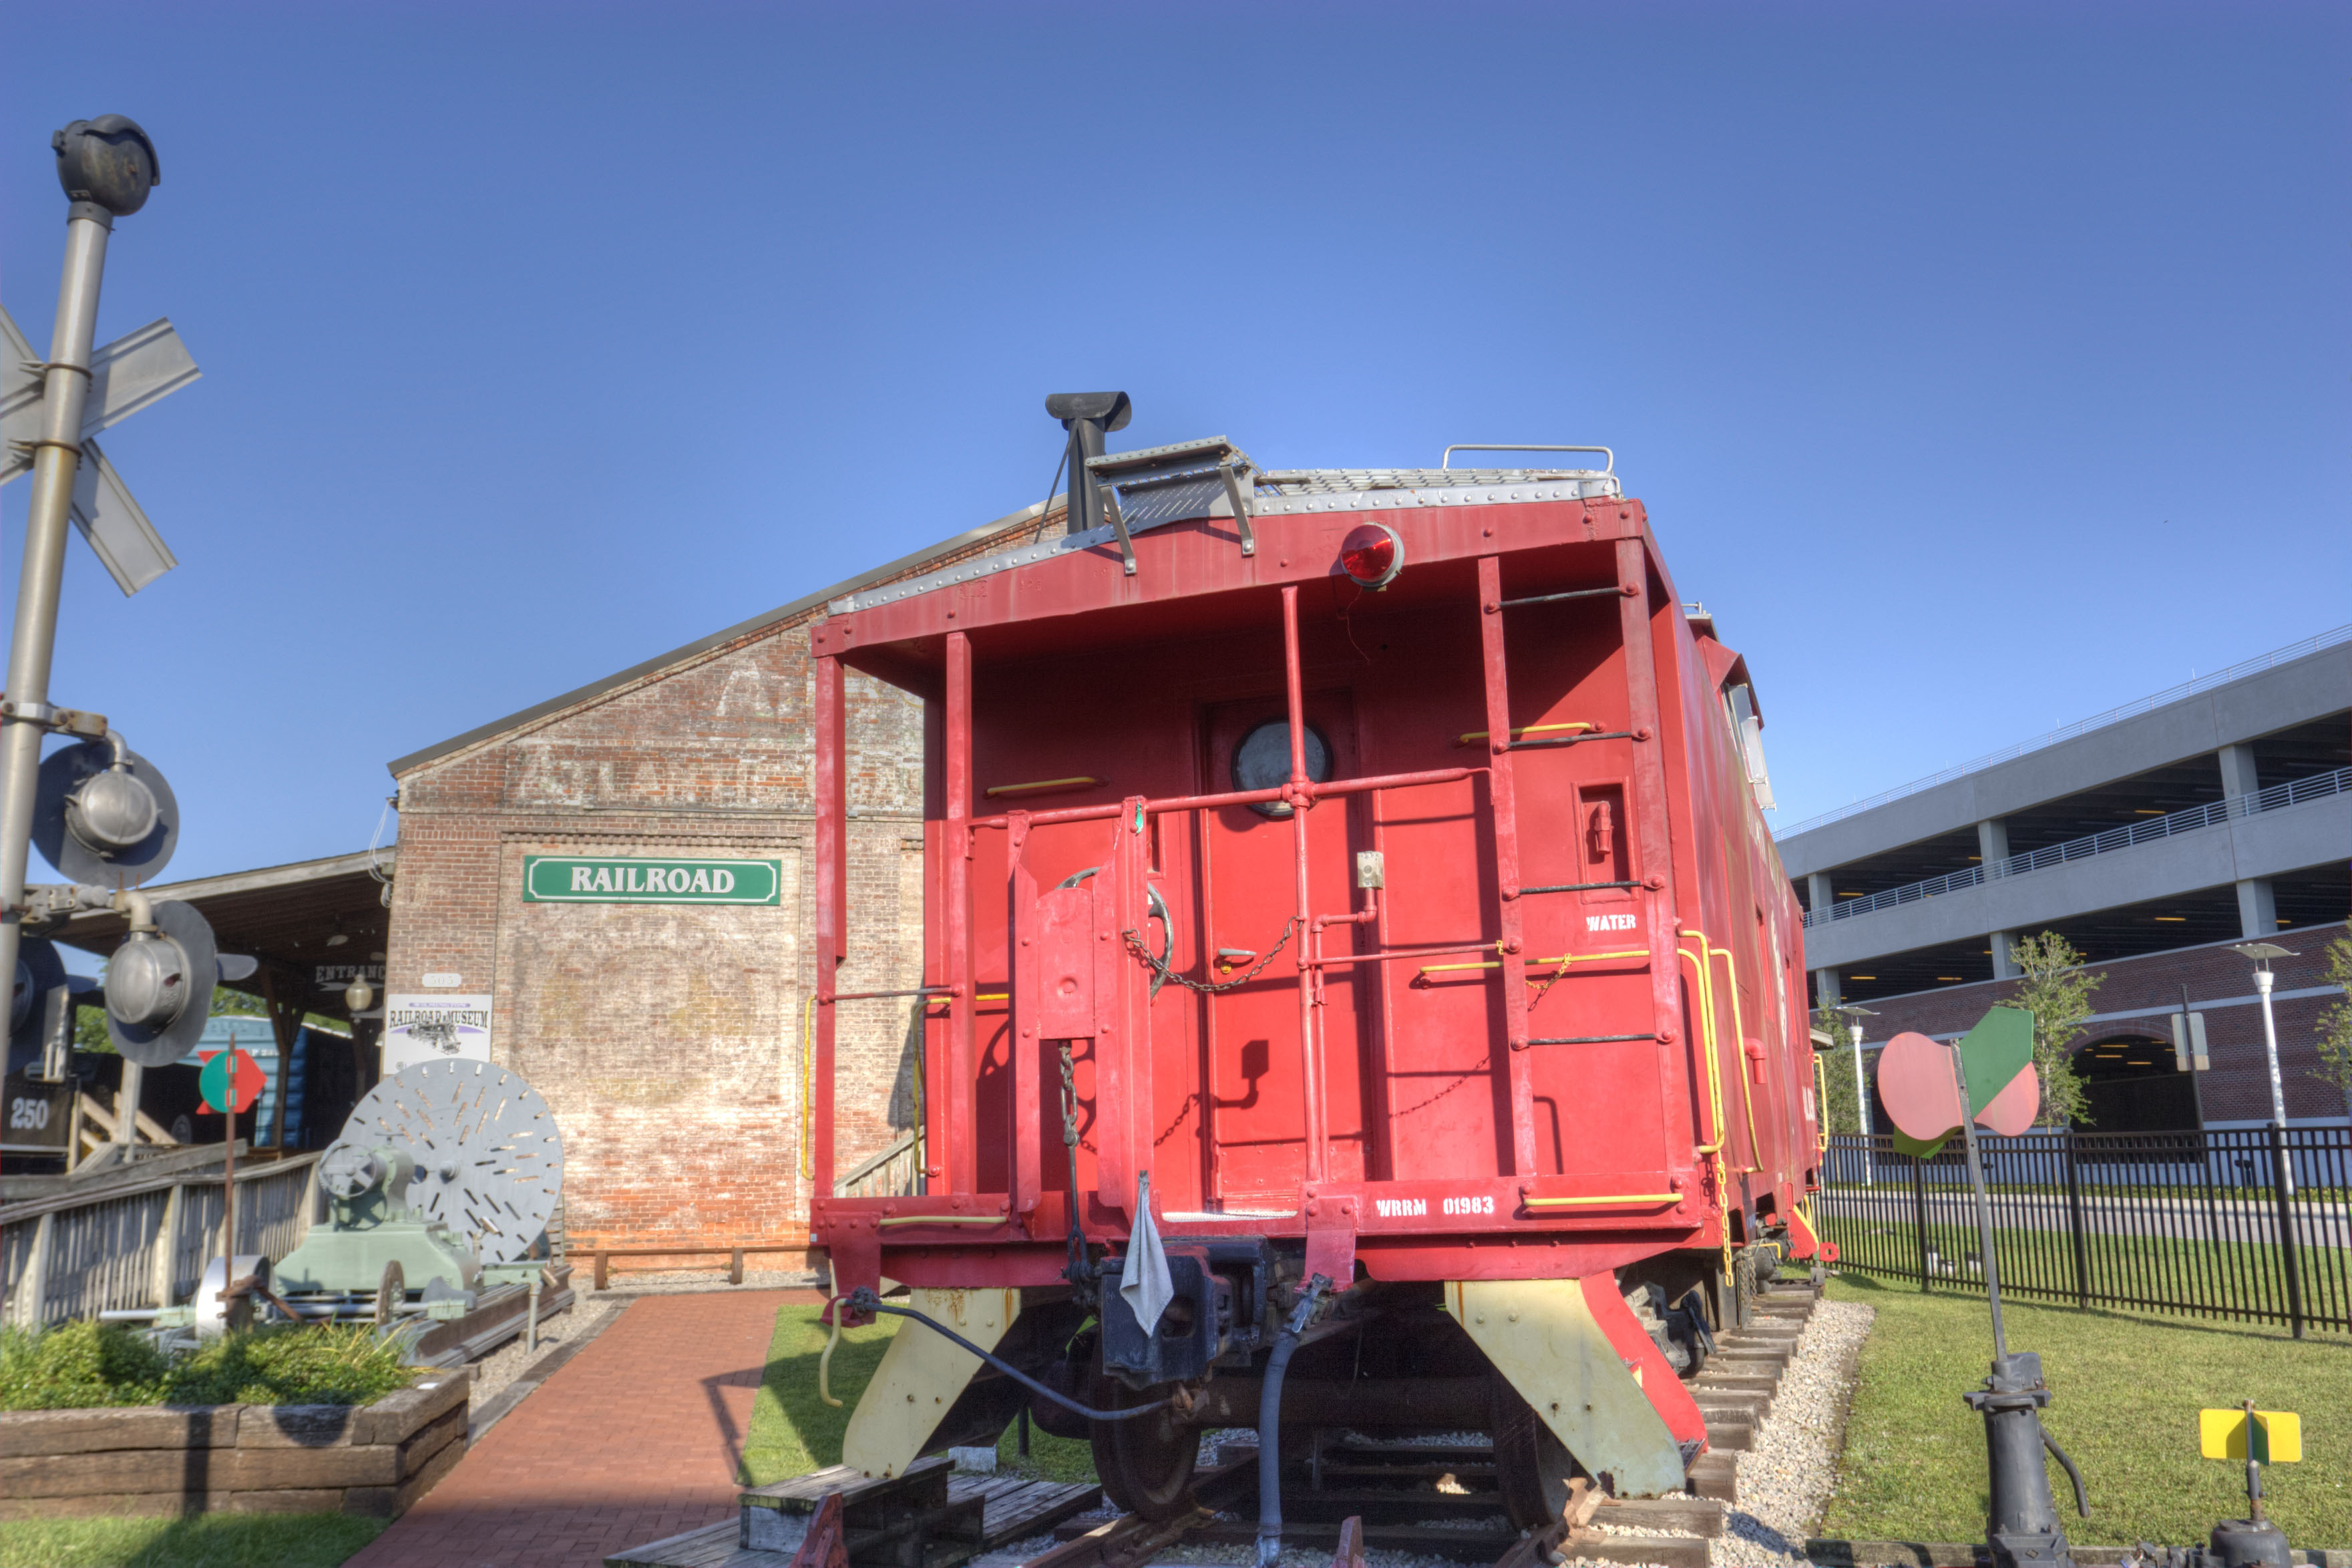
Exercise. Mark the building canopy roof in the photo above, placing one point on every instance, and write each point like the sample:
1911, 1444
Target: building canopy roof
287, 917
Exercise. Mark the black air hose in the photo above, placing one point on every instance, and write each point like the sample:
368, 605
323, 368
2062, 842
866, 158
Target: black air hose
1270, 1423
864, 1300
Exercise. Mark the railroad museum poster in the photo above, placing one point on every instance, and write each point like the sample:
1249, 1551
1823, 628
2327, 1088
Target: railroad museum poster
641, 880
435, 1026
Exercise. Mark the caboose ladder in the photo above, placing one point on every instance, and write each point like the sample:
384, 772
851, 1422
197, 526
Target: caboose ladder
1506, 863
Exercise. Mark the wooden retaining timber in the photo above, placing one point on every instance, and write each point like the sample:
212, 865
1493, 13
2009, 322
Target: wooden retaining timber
1439, 1499
601, 1256
371, 1459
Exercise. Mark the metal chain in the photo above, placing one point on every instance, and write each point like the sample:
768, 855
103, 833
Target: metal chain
1557, 977
1079, 1270
1207, 987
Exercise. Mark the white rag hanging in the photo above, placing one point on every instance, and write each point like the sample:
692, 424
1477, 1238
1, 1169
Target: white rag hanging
1143, 1277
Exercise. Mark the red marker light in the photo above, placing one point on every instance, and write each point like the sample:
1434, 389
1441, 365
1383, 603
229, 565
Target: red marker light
1373, 555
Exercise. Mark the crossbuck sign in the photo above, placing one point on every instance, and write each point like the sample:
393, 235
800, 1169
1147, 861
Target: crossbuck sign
125, 377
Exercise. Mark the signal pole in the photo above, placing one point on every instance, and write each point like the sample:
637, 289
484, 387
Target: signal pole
107, 167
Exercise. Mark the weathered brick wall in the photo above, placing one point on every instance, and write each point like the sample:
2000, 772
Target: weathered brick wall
2238, 1087
668, 1038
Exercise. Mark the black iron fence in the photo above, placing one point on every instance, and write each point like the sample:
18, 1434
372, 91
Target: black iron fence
2254, 1225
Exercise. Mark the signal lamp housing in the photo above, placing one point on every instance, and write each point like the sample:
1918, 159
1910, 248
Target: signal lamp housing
1372, 556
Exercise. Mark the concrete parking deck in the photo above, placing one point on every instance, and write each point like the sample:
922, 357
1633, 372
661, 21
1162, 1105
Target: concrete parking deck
636, 1438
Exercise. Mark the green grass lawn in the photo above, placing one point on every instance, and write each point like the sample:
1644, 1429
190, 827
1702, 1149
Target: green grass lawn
208, 1541
2125, 1390
2143, 1271
793, 1431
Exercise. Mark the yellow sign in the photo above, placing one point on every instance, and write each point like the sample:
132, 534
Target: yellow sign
2277, 1436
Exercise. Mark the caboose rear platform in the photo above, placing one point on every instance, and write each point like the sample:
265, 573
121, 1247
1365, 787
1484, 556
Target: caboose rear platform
1361, 875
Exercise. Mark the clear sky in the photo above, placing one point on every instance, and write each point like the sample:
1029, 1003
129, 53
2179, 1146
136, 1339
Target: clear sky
1983, 367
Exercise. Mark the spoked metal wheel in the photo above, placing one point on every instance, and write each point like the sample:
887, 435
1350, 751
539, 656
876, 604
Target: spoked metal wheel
1145, 1464
1532, 1467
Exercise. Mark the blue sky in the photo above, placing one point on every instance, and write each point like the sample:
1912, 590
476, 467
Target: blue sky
1983, 366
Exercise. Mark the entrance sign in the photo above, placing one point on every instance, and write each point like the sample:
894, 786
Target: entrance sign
649, 879
434, 1029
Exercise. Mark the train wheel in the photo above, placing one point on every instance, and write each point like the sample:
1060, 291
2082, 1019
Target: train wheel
1532, 1467
1145, 1464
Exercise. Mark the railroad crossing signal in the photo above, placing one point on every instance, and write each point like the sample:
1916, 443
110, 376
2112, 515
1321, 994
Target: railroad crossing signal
231, 1080
126, 375
2264, 1437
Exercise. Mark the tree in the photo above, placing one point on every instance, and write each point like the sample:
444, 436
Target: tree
1839, 1112
2335, 1022
228, 1003
89, 1021
2057, 991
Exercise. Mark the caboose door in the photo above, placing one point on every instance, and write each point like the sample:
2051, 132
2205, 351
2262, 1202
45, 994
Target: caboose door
1257, 1062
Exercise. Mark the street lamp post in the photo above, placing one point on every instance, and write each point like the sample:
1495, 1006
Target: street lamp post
1854, 1015
2261, 952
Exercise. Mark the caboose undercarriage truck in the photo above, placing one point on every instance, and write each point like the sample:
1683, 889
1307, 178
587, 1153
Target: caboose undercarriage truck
1360, 989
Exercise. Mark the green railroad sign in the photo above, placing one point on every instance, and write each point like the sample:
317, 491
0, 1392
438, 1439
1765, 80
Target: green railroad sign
650, 879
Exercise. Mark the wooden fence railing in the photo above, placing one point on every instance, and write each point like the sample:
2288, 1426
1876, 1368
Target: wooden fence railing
138, 1242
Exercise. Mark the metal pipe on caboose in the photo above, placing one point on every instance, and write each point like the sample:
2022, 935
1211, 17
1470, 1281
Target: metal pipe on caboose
1298, 792
1314, 791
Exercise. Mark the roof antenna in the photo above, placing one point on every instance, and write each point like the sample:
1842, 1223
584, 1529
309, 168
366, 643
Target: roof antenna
1087, 417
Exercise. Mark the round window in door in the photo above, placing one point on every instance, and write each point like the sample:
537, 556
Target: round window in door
1263, 762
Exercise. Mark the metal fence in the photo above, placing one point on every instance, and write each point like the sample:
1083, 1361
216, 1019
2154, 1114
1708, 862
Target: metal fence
2188, 820
142, 1243
2249, 1225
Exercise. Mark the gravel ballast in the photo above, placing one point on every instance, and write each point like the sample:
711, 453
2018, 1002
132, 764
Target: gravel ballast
1785, 1480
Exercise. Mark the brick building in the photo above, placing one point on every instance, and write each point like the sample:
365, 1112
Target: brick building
667, 1033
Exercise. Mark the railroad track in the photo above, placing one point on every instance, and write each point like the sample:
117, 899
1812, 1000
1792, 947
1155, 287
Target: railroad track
1432, 1499
1440, 1500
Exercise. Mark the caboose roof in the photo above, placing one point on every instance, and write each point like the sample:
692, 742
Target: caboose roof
1195, 576
1279, 493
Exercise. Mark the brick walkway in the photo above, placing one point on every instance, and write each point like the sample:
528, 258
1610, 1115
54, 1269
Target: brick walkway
635, 1438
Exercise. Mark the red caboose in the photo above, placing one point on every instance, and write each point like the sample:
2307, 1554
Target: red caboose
1363, 873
